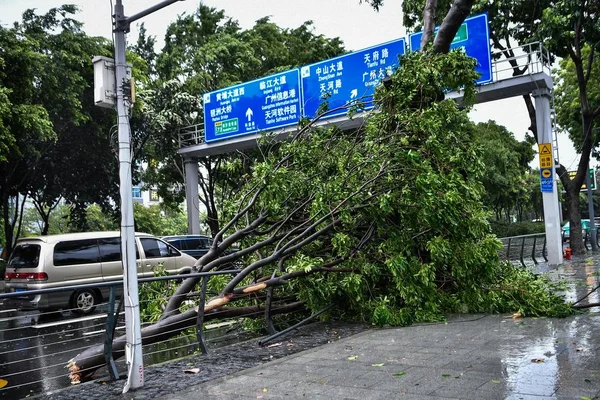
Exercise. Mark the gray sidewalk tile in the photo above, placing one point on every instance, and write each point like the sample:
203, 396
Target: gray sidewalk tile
370, 394
289, 388
471, 357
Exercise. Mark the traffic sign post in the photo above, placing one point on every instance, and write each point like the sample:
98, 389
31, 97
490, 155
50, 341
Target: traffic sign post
546, 166
348, 78
264, 104
546, 180
474, 37
548, 185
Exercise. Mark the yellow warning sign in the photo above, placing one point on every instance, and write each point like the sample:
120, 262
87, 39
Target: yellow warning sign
546, 173
545, 150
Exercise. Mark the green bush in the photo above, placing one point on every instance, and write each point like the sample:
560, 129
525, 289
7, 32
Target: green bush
506, 229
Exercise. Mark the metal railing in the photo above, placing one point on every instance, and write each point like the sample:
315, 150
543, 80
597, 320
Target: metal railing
534, 57
524, 249
191, 135
36, 347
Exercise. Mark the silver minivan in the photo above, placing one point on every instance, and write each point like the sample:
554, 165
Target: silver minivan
81, 258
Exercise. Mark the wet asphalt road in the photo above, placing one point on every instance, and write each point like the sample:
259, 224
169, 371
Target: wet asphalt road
34, 349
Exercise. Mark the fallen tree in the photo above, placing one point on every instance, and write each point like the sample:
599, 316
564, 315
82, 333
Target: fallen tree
384, 221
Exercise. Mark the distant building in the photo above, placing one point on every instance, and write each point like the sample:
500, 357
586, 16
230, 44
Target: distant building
145, 197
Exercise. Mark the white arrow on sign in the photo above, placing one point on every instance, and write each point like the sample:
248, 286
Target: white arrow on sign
249, 114
354, 93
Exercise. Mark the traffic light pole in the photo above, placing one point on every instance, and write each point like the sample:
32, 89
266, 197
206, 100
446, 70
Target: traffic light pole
133, 347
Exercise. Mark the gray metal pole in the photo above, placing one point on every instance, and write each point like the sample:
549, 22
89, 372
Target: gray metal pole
590, 197
133, 332
191, 194
550, 199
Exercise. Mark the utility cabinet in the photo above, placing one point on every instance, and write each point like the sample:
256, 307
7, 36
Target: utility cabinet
105, 91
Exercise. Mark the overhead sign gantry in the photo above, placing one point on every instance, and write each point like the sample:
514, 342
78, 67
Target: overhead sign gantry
473, 37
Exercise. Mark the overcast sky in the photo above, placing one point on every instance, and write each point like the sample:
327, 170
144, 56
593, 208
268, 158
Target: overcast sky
358, 25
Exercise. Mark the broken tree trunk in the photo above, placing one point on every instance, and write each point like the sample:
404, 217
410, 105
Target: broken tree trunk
85, 364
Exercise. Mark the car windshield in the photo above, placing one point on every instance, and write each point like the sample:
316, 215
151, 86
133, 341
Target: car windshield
25, 256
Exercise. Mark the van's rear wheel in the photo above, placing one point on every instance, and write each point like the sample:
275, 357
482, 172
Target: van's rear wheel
84, 302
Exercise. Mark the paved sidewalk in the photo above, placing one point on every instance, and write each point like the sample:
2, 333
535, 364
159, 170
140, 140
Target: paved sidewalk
469, 357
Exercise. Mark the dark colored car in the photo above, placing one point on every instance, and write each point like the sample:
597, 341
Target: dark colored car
194, 245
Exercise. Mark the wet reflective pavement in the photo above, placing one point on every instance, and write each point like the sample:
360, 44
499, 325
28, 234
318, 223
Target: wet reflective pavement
468, 357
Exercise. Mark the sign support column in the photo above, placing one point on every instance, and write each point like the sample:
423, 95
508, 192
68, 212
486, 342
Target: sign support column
548, 177
191, 195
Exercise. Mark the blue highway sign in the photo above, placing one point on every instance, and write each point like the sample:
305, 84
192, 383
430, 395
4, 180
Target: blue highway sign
264, 104
347, 78
546, 180
474, 37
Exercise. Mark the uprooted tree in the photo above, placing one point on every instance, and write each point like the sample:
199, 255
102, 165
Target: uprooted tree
384, 221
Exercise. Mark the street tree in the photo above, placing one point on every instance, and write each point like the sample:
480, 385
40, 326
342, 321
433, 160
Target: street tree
506, 163
60, 147
515, 24
25, 123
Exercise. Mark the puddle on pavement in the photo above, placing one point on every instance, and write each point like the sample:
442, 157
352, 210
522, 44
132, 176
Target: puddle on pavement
532, 369
539, 365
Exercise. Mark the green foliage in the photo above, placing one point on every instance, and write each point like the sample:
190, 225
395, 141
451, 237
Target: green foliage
506, 162
159, 222
155, 295
55, 141
568, 102
98, 220
519, 290
412, 177
507, 229
59, 217
566, 23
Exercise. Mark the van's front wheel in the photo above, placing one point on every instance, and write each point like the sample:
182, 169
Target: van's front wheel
83, 302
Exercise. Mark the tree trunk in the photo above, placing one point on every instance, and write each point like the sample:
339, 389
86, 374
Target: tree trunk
459, 11
428, 22
8, 231
85, 364
575, 229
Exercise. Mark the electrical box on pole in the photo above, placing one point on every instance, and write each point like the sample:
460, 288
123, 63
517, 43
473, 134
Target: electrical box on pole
105, 91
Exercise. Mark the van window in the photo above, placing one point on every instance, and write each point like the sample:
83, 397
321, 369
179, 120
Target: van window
155, 248
76, 252
25, 256
110, 250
